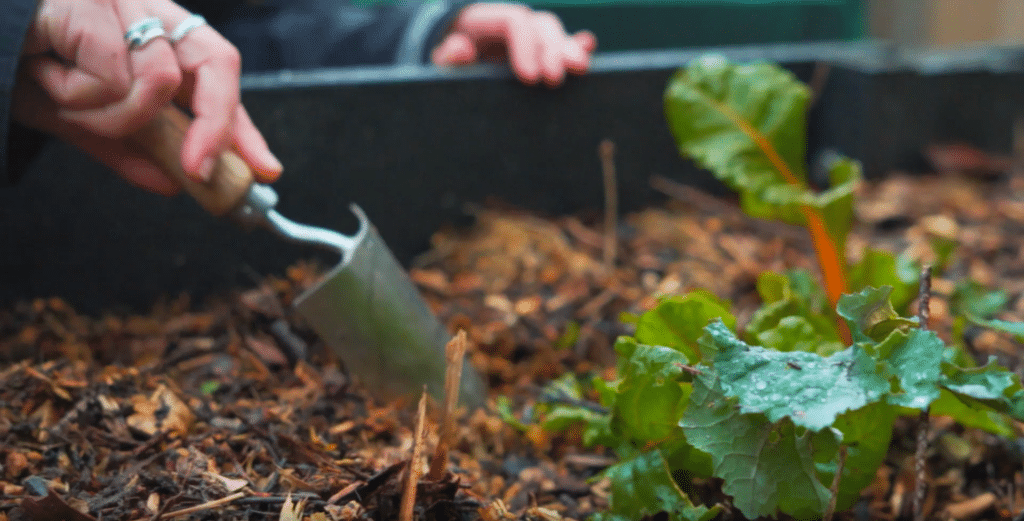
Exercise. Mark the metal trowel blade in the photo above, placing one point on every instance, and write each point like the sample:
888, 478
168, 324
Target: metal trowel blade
373, 317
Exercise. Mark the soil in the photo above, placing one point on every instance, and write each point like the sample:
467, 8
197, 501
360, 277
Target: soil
232, 409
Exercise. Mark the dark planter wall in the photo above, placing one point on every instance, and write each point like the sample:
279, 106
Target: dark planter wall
414, 146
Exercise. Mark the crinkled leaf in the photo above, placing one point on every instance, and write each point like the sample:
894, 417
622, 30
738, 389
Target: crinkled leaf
990, 385
917, 364
678, 322
766, 467
870, 314
807, 388
987, 382
643, 486
651, 395
880, 268
866, 434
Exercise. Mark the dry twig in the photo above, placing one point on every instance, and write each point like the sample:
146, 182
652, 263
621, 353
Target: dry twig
455, 353
923, 314
606, 151
413, 472
209, 505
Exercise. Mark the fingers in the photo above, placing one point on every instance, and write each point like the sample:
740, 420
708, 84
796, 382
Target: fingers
85, 97
33, 107
538, 48
456, 49
134, 167
251, 146
523, 45
221, 122
555, 50
214, 66
155, 78
70, 86
99, 71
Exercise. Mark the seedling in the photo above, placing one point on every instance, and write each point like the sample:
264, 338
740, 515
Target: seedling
813, 383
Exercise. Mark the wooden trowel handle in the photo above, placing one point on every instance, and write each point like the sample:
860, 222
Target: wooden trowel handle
231, 178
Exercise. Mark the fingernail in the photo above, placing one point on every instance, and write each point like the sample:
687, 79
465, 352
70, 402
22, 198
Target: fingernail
274, 163
206, 169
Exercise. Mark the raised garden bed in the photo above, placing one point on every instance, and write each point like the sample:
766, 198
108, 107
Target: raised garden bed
210, 410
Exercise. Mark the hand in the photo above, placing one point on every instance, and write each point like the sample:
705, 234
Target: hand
79, 81
535, 42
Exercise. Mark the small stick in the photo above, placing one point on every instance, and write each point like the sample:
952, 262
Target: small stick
205, 506
414, 470
835, 485
455, 353
923, 314
606, 151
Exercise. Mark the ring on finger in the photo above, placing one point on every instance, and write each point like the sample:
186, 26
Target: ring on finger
144, 31
186, 25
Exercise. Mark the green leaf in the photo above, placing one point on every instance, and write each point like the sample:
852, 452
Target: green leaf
765, 467
209, 387
678, 322
747, 124
643, 486
503, 406
805, 387
870, 314
917, 365
866, 433
881, 268
796, 333
987, 382
989, 386
971, 415
1014, 328
793, 294
595, 425
650, 396
837, 202
971, 298
773, 287
713, 107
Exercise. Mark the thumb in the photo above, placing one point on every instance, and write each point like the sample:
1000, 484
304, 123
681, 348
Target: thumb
456, 49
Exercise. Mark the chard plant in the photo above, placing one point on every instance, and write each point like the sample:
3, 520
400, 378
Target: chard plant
812, 385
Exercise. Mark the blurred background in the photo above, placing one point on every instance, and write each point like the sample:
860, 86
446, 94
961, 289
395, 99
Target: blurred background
925, 24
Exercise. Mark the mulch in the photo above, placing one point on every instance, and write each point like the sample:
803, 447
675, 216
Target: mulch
231, 409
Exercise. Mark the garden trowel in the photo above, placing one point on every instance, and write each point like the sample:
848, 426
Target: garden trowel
366, 308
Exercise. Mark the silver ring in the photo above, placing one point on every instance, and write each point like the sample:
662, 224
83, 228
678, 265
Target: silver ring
185, 26
142, 32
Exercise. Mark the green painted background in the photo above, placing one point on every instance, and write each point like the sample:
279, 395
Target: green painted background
655, 24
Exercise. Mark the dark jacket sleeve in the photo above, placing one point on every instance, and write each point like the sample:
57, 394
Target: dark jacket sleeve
304, 34
17, 144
